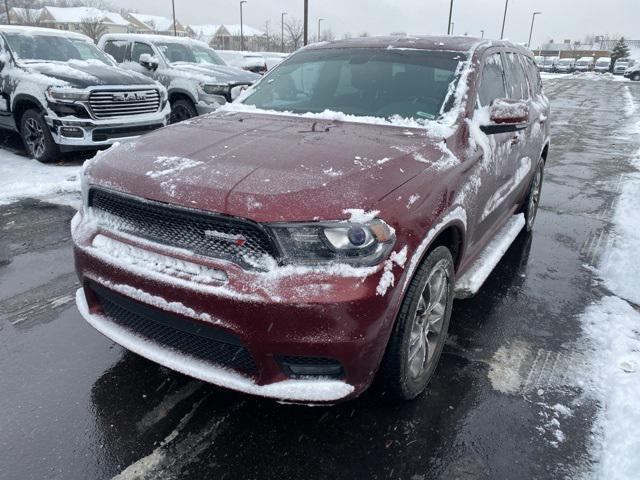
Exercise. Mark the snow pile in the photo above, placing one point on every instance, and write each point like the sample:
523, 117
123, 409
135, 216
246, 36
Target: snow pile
508, 111
171, 166
22, 177
613, 329
358, 215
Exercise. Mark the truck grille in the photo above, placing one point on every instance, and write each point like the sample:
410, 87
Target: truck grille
220, 236
194, 339
123, 103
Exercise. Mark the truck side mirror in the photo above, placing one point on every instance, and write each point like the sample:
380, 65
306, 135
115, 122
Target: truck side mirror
148, 62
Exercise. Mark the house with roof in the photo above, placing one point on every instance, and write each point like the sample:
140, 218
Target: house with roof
227, 37
154, 24
72, 18
25, 16
204, 33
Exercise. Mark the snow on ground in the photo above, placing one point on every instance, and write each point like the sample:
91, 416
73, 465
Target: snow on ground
23, 177
612, 332
593, 76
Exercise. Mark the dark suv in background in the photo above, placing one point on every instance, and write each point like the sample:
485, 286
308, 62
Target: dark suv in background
62, 93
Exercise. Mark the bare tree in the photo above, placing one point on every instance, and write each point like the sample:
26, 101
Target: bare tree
295, 30
93, 27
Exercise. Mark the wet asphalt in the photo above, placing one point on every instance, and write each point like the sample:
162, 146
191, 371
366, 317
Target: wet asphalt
76, 406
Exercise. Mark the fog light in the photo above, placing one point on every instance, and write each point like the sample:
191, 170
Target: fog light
71, 132
294, 366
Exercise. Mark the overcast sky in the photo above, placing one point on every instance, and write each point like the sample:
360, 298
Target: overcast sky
560, 19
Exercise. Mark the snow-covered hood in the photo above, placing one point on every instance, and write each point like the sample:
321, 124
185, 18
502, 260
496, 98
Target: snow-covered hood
219, 73
267, 167
82, 74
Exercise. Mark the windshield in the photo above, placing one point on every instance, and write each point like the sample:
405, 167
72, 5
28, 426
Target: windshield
179, 52
362, 82
53, 48
564, 62
602, 63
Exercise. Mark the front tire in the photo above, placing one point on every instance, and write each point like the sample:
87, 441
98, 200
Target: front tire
182, 109
636, 77
420, 331
532, 203
37, 138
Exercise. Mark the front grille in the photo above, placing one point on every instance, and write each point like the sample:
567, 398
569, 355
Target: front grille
185, 228
124, 103
196, 340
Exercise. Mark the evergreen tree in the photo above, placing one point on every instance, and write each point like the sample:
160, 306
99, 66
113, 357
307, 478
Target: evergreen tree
620, 50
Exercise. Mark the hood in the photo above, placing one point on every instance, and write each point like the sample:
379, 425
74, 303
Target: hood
268, 167
220, 73
83, 74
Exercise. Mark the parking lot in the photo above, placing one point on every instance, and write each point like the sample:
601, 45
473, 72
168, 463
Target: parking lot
507, 400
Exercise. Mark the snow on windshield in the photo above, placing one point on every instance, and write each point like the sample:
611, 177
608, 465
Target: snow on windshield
53, 48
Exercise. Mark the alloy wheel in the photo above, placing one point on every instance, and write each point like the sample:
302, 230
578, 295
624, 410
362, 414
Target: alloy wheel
534, 198
427, 325
34, 137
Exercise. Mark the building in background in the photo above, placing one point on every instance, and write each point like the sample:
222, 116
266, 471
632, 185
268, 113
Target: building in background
154, 24
204, 33
227, 37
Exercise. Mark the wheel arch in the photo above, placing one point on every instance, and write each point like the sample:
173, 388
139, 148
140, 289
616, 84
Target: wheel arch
180, 94
22, 103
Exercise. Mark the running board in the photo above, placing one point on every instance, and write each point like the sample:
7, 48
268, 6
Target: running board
469, 283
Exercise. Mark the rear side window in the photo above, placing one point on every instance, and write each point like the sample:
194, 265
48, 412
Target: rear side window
492, 80
139, 49
517, 87
533, 74
117, 49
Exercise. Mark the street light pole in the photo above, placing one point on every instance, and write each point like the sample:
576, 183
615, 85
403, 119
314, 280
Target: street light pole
453, 24
504, 19
450, 14
241, 27
482, 32
306, 22
282, 31
533, 18
173, 7
319, 21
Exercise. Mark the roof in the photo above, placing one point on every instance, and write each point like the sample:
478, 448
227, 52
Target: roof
206, 30
247, 31
420, 42
25, 30
155, 22
77, 14
26, 12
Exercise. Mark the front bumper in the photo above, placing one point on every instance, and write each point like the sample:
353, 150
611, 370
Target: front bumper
298, 315
72, 133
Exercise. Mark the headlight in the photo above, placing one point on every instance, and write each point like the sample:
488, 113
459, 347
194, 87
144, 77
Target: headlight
214, 89
361, 244
62, 94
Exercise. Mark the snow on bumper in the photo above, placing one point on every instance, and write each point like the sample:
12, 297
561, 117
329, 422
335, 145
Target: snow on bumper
292, 390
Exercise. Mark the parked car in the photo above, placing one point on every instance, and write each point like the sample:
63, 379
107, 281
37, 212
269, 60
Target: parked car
253, 62
61, 93
584, 64
549, 64
603, 65
566, 65
633, 72
197, 79
621, 65
294, 255
273, 58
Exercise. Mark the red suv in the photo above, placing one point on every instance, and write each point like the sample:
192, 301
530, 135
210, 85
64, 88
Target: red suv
314, 234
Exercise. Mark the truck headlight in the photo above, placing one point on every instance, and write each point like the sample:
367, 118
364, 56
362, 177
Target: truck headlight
67, 94
359, 244
216, 89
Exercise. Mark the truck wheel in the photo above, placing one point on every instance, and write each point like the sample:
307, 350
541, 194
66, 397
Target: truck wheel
636, 77
530, 208
182, 109
37, 137
421, 328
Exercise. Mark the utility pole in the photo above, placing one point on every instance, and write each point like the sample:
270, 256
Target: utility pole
504, 19
282, 31
319, 21
173, 7
450, 14
533, 18
306, 22
241, 27
6, 8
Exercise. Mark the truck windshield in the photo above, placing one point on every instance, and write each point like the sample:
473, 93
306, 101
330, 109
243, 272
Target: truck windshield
179, 52
362, 82
53, 48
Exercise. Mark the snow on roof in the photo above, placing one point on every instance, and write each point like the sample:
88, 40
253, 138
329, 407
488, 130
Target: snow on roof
155, 22
26, 12
77, 14
25, 30
247, 31
207, 30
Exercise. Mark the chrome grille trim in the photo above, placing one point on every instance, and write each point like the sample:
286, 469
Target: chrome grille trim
105, 103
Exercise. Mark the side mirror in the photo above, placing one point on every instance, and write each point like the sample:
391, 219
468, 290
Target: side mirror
506, 115
148, 62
